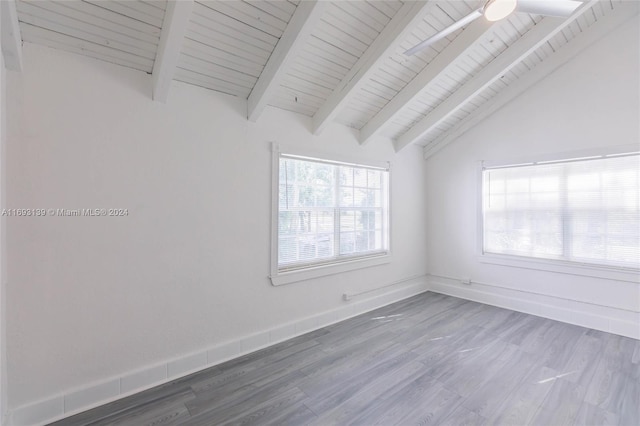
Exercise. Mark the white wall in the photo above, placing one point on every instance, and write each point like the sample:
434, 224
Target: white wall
3, 269
591, 102
93, 298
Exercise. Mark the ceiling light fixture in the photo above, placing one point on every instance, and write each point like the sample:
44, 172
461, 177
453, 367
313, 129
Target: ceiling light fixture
495, 10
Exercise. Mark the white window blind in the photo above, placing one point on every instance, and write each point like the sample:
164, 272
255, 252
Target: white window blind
580, 210
330, 212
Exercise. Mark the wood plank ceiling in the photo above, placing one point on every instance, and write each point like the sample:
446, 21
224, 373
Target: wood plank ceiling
348, 60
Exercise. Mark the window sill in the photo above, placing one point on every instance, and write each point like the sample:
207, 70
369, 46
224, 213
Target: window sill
325, 270
570, 268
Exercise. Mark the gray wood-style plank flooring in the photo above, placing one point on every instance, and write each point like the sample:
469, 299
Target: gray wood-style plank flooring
431, 359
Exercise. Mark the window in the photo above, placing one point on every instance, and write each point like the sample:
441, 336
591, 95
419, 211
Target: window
329, 213
584, 210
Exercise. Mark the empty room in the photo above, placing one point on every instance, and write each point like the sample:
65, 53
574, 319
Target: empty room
300, 212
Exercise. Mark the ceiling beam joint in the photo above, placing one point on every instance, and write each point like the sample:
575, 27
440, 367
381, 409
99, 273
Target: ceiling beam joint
10, 36
299, 28
509, 58
605, 25
174, 26
394, 33
439, 66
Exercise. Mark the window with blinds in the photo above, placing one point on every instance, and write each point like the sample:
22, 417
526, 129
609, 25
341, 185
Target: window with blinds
584, 210
330, 212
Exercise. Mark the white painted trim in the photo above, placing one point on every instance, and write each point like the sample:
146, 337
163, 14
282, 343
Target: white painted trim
10, 35
102, 392
570, 311
330, 156
513, 55
558, 266
275, 202
282, 278
337, 267
410, 14
176, 20
299, 28
350, 295
617, 150
623, 12
440, 65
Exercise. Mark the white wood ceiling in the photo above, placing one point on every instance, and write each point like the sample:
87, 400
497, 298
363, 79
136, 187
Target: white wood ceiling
343, 64
123, 32
339, 39
227, 43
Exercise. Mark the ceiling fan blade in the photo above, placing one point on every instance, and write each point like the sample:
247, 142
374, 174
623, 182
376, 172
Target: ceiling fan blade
442, 34
561, 8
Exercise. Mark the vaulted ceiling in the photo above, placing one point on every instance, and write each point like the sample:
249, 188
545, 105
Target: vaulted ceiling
335, 61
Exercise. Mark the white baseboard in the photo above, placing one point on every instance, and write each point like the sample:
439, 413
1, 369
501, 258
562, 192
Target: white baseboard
95, 394
612, 320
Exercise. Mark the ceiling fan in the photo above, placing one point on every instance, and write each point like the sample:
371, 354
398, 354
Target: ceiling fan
495, 10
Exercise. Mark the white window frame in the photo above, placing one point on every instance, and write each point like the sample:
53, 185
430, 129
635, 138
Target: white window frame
559, 266
315, 271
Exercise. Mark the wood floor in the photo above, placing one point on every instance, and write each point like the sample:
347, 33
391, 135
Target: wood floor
428, 360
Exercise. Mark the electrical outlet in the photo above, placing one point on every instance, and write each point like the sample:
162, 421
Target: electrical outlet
466, 281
